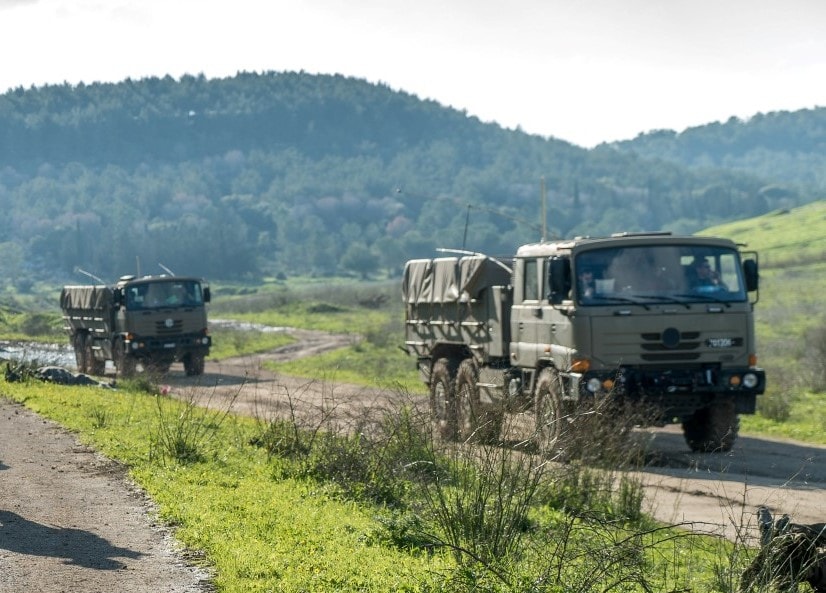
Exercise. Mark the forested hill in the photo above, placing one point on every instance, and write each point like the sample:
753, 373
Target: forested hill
293, 173
788, 147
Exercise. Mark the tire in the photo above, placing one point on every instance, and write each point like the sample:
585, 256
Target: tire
193, 364
473, 422
713, 428
442, 398
548, 410
92, 365
78, 343
127, 365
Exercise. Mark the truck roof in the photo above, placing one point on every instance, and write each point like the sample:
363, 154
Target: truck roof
550, 248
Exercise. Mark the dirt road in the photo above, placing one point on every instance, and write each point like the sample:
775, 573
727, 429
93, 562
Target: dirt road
716, 493
71, 521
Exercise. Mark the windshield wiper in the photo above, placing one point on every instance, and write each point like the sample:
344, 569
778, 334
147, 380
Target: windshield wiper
665, 299
621, 299
705, 297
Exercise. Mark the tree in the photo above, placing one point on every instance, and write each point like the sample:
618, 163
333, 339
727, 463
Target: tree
360, 259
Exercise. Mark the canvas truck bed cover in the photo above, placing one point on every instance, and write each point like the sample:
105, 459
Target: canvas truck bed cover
450, 279
96, 298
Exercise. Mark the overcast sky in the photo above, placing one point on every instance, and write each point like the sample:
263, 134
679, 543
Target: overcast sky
585, 71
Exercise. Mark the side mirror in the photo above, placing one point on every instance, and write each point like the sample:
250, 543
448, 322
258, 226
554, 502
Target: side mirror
117, 297
207, 295
751, 275
559, 279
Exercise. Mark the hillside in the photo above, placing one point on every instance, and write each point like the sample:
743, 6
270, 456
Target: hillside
290, 173
791, 325
786, 147
784, 238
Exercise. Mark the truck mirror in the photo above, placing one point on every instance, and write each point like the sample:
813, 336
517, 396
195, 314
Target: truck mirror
559, 279
117, 297
207, 296
751, 275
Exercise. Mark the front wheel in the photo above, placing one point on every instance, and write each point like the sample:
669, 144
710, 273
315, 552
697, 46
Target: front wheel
713, 428
127, 365
549, 418
193, 364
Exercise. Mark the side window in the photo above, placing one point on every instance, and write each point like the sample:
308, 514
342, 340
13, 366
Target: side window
531, 281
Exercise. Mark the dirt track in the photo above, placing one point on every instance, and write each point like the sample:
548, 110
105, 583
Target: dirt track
716, 493
70, 521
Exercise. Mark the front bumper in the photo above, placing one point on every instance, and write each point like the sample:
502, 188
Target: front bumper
168, 347
678, 392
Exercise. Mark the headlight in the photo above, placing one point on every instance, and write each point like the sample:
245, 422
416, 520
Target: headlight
593, 385
750, 380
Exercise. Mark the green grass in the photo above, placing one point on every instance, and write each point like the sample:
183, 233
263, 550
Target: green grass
806, 421
363, 364
227, 343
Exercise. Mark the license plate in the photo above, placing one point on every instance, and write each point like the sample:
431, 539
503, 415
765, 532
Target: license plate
170, 345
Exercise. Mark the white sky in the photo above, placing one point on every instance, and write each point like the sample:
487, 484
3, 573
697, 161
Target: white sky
585, 71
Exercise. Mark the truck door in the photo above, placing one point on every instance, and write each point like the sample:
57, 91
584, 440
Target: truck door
527, 311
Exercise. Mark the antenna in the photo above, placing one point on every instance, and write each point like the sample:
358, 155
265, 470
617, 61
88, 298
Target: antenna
467, 222
165, 269
89, 274
544, 213
475, 253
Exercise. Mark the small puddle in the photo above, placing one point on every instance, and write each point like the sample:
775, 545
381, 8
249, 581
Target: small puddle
63, 355
246, 326
43, 354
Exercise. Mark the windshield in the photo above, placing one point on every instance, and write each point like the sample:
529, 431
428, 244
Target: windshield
164, 293
658, 273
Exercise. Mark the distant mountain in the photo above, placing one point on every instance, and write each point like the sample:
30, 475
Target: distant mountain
293, 173
787, 148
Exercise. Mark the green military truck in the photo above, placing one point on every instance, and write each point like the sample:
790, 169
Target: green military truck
152, 321
653, 319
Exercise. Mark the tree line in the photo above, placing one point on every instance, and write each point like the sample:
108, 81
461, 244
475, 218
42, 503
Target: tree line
265, 174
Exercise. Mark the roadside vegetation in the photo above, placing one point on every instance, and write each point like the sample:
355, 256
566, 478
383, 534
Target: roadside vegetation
293, 502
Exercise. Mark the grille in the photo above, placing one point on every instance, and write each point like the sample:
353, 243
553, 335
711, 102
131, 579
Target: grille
161, 328
655, 350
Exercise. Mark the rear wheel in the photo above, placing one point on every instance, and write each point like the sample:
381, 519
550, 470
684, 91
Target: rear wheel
713, 428
78, 343
93, 366
473, 421
442, 398
548, 408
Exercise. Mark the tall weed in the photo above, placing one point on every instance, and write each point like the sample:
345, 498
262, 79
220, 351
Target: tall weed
185, 428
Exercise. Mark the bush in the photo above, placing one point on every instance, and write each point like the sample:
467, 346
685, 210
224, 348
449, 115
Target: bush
816, 357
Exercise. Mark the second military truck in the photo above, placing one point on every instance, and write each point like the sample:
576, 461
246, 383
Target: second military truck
645, 318
152, 321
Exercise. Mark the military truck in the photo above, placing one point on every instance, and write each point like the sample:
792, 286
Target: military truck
152, 321
649, 319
